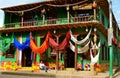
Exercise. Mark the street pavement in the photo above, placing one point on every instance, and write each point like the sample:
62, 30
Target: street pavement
5, 74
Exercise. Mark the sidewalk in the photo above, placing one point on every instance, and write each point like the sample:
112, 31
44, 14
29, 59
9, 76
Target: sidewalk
58, 74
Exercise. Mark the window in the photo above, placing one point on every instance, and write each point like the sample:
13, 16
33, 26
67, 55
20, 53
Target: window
10, 51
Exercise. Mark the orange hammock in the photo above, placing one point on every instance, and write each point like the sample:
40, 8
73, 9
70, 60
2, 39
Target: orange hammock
42, 48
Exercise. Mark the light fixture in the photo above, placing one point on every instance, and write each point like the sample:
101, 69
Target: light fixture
86, 30
95, 29
6, 34
54, 31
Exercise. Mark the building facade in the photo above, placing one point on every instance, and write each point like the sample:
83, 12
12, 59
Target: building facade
61, 33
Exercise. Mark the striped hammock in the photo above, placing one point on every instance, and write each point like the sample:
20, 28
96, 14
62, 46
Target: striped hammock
82, 41
94, 59
80, 50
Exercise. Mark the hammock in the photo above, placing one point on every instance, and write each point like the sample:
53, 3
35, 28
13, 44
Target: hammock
82, 41
63, 45
4, 47
22, 46
42, 48
94, 46
94, 59
80, 50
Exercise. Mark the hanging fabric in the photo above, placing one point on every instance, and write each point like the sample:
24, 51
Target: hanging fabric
94, 59
94, 46
4, 46
114, 40
82, 41
42, 48
63, 45
23, 46
80, 50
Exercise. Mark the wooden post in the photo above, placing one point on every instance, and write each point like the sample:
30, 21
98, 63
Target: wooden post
68, 13
43, 15
94, 6
94, 14
22, 18
57, 55
38, 44
75, 56
76, 51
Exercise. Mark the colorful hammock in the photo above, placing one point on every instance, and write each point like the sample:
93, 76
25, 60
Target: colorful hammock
23, 46
94, 59
82, 41
4, 47
80, 50
63, 45
94, 46
42, 48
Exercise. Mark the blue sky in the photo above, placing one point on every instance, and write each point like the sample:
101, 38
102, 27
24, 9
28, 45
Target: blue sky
6, 3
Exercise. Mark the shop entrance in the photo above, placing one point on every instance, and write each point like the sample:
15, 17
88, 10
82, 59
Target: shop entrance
69, 58
27, 58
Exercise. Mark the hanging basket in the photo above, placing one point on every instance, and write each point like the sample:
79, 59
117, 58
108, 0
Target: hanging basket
2, 53
94, 5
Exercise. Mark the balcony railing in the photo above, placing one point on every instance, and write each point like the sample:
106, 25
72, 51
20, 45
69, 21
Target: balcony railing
50, 22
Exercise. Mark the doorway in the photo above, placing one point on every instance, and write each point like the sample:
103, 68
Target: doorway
27, 58
69, 58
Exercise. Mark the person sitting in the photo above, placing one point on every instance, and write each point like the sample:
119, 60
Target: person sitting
43, 66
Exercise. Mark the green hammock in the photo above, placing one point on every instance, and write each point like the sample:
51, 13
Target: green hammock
4, 46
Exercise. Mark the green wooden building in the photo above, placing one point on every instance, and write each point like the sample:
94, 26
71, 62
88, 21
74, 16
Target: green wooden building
57, 17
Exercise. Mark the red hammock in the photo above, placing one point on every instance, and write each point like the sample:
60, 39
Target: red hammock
42, 48
61, 46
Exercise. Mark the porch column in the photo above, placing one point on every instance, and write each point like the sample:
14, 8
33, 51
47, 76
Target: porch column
20, 52
76, 51
22, 18
38, 44
0, 51
43, 15
57, 55
94, 6
68, 13
110, 37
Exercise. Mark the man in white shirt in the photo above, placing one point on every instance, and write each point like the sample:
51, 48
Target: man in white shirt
43, 66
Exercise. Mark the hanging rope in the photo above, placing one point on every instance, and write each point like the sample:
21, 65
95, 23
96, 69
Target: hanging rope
65, 5
23, 10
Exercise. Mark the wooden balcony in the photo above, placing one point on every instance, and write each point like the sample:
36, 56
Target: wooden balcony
51, 22
54, 24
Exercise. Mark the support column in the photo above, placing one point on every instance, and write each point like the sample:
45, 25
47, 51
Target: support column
95, 6
43, 15
76, 51
57, 55
110, 37
22, 18
68, 13
20, 52
111, 61
38, 44
94, 14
